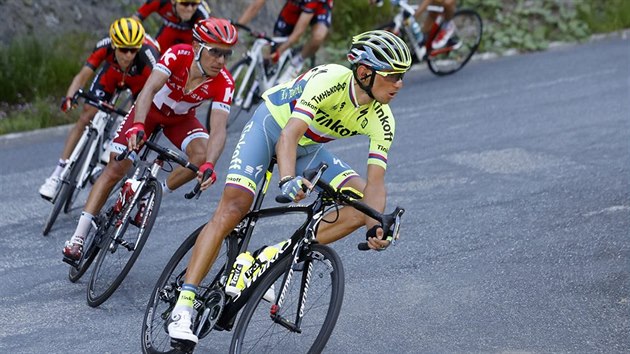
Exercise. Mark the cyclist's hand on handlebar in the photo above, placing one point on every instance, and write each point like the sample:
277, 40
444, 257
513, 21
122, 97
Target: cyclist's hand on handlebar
294, 188
67, 104
376, 238
132, 136
275, 56
210, 180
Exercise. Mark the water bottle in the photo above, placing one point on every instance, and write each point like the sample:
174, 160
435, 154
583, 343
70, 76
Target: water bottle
126, 193
263, 256
237, 280
416, 30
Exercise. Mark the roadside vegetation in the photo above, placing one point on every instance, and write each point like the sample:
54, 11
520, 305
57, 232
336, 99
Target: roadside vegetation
35, 73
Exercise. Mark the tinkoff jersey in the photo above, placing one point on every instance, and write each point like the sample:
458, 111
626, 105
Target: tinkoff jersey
325, 98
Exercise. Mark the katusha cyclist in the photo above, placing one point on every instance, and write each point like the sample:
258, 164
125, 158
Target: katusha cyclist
293, 21
124, 60
326, 103
185, 77
179, 17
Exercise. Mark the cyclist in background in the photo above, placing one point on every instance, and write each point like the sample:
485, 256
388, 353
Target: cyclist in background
296, 118
125, 59
448, 29
292, 22
179, 17
185, 77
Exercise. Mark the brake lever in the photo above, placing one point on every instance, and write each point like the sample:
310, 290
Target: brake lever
196, 192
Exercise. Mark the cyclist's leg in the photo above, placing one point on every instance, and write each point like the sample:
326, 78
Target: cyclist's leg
319, 31
339, 174
189, 135
247, 167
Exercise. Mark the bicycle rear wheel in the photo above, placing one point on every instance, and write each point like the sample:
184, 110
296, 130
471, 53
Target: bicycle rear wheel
122, 243
461, 47
67, 186
319, 282
154, 333
242, 87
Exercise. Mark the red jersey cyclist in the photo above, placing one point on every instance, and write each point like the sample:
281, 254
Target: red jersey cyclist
125, 59
294, 122
179, 17
185, 77
293, 21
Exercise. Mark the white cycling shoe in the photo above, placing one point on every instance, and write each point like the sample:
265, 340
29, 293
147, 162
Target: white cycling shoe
290, 73
181, 327
49, 188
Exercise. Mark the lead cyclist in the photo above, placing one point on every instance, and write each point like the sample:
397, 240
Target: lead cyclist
326, 103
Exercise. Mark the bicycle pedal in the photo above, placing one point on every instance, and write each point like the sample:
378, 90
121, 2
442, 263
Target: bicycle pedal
71, 262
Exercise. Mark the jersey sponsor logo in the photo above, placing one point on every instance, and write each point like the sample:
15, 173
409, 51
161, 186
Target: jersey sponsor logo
308, 104
168, 56
103, 42
334, 125
382, 148
235, 163
151, 57
329, 91
183, 52
384, 119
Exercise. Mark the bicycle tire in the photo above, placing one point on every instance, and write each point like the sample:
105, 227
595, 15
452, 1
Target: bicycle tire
238, 69
99, 288
154, 335
324, 321
83, 159
470, 31
66, 190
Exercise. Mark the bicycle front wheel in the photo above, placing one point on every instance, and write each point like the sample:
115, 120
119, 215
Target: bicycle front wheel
314, 290
68, 186
460, 47
122, 243
155, 338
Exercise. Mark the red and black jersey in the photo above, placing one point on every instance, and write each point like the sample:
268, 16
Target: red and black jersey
165, 9
293, 8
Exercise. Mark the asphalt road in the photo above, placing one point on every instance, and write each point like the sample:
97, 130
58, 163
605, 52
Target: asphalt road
515, 176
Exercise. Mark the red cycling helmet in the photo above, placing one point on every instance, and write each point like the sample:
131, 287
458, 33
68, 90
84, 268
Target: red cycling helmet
215, 31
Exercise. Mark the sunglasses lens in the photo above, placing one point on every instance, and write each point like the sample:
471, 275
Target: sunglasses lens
188, 4
392, 77
216, 52
128, 50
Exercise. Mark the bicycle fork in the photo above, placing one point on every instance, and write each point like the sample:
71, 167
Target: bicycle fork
275, 308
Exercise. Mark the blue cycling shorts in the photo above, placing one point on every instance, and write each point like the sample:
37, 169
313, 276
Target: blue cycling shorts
256, 147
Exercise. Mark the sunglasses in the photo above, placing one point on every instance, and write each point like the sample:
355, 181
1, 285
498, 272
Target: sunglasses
391, 76
128, 50
217, 52
188, 4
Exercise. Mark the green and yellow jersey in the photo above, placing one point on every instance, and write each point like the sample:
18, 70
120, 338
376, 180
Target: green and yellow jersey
325, 98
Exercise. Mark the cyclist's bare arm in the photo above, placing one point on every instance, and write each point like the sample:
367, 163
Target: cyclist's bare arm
79, 80
154, 83
300, 27
251, 11
286, 148
216, 142
375, 196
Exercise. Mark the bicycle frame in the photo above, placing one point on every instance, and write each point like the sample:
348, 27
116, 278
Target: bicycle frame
402, 24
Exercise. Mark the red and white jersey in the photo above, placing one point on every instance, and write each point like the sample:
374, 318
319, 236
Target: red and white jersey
173, 98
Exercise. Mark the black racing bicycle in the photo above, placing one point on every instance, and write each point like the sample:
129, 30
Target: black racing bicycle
293, 301
119, 233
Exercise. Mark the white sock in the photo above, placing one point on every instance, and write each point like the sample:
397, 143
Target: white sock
165, 187
85, 223
60, 166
